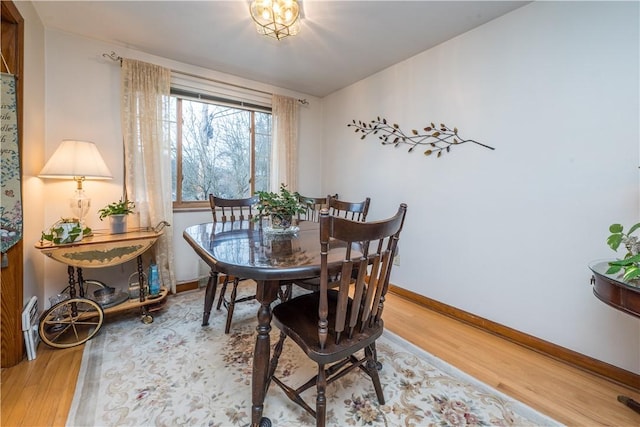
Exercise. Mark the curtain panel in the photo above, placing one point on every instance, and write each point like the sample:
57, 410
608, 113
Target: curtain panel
147, 152
284, 151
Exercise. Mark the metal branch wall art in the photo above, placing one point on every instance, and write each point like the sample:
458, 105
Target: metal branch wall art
438, 140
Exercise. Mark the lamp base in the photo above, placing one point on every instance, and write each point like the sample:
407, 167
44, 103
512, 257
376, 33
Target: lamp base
80, 205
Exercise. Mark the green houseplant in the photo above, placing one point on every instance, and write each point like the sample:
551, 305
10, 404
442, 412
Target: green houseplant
66, 230
280, 207
630, 264
121, 207
117, 213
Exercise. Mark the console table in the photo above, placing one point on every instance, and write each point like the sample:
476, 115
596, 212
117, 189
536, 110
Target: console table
621, 295
75, 320
103, 249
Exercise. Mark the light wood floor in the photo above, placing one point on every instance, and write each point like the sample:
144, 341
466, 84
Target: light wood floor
39, 392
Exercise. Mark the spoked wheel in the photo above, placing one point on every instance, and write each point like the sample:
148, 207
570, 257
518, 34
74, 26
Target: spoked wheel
70, 322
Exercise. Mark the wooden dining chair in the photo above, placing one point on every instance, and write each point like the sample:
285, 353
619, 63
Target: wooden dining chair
332, 325
229, 211
312, 206
356, 211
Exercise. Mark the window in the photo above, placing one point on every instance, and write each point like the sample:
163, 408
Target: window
218, 148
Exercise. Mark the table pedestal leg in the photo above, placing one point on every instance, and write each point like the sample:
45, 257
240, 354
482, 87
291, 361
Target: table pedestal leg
266, 293
209, 295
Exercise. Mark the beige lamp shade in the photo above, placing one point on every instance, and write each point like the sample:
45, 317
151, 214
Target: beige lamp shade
78, 160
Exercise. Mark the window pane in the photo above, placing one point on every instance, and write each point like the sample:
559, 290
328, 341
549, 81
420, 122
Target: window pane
263, 151
216, 151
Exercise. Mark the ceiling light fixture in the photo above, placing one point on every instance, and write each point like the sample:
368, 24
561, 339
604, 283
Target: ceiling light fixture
276, 18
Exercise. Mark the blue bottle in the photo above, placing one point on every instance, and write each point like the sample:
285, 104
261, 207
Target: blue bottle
154, 281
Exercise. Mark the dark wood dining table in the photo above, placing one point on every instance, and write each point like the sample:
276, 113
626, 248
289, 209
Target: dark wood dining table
248, 250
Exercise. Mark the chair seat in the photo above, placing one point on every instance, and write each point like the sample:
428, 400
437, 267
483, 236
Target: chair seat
298, 318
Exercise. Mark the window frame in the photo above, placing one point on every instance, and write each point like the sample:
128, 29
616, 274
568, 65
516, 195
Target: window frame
252, 108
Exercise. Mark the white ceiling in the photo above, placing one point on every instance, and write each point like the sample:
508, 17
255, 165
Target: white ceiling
340, 42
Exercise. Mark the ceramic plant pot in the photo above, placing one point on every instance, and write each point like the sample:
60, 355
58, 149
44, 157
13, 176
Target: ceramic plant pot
68, 235
118, 224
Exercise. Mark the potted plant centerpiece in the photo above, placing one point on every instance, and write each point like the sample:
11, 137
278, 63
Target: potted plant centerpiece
279, 207
630, 264
117, 213
66, 230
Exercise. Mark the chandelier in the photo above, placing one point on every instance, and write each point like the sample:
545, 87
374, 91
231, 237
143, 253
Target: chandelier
276, 18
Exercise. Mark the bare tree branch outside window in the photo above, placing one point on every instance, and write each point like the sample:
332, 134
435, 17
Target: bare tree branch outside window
217, 151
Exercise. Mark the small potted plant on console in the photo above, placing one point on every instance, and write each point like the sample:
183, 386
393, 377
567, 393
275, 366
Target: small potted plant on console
66, 230
117, 213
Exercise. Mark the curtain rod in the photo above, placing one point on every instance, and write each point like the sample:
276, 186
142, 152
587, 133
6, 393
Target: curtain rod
117, 58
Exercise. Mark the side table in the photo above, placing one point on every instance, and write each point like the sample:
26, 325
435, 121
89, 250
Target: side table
77, 319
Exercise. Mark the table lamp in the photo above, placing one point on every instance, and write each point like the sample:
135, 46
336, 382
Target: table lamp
79, 160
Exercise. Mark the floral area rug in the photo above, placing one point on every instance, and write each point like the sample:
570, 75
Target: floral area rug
174, 372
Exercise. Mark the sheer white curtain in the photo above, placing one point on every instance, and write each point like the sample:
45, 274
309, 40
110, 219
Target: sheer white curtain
147, 151
284, 151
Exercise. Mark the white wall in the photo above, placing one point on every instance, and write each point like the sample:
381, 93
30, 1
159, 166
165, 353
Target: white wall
508, 234
32, 150
83, 101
